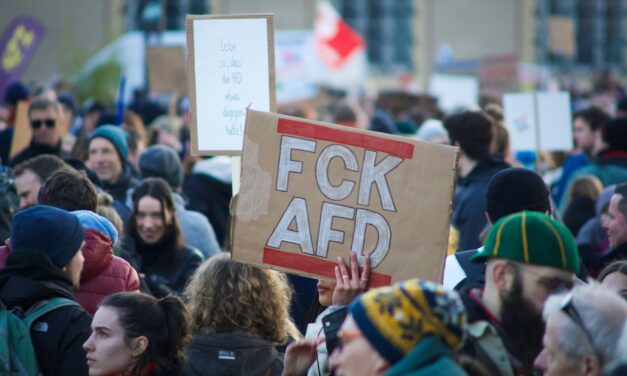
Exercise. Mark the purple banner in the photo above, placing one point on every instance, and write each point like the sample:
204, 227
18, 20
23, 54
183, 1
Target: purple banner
17, 47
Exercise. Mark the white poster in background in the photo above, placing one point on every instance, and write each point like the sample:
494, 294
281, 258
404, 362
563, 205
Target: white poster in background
454, 92
297, 68
520, 120
554, 117
543, 118
231, 72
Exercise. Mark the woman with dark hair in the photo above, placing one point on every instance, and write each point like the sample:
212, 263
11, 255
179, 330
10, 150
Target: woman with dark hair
614, 277
124, 342
154, 243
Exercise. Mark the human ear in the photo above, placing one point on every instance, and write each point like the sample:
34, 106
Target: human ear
502, 276
139, 345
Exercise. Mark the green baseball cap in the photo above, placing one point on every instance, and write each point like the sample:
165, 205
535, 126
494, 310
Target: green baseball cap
531, 238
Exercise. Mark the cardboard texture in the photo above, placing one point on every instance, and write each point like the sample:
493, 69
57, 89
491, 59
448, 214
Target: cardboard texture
22, 133
562, 36
312, 191
166, 70
231, 68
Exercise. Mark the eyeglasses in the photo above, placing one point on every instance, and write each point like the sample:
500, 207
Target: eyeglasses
49, 123
347, 336
569, 310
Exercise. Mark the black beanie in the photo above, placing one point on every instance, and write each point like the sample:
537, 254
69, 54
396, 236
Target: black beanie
516, 189
614, 133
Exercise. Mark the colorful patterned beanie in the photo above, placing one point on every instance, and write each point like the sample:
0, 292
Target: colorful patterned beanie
395, 319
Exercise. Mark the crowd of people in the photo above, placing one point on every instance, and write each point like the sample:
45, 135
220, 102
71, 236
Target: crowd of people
116, 253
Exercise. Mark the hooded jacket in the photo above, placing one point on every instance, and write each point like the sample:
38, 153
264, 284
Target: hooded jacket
230, 354
430, 357
469, 204
103, 273
29, 277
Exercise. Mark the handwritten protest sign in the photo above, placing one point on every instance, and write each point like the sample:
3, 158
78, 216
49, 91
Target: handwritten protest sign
454, 92
312, 191
166, 69
231, 68
539, 121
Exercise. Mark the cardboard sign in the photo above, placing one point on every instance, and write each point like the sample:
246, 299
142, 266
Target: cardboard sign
539, 121
312, 191
166, 70
454, 91
562, 36
231, 68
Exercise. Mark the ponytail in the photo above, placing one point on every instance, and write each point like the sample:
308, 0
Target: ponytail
164, 322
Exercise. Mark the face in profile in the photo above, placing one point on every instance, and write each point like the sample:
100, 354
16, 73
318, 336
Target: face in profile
355, 356
75, 267
325, 292
27, 186
151, 219
107, 350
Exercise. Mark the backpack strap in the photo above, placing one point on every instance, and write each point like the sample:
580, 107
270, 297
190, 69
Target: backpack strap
43, 307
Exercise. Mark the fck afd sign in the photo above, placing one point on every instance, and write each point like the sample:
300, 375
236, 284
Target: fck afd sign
313, 191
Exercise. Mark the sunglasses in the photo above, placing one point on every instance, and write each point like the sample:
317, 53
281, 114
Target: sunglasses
49, 123
568, 307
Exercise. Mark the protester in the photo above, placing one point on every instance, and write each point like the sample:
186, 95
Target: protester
103, 273
31, 174
239, 313
472, 133
585, 332
582, 198
153, 241
616, 226
108, 153
209, 188
331, 296
610, 163
45, 119
614, 277
105, 209
9, 202
529, 256
434, 132
69, 190
136, 334
592, 240
46, 263
411, 328
509, 191
163, 162
587, 125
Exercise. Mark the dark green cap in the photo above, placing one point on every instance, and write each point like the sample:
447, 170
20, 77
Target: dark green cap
531, 238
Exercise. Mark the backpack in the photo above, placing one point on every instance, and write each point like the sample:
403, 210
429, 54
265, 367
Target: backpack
17, 354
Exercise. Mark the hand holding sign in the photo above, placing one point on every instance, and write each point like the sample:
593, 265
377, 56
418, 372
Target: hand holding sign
348, 286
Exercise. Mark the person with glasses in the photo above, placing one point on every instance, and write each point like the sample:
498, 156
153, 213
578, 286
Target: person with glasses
411, 328
45, 119
585, 332
529, 256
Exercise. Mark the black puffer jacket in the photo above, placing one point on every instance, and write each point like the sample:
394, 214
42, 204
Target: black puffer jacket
29, 277
230, 354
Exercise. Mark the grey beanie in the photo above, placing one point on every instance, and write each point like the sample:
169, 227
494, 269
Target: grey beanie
161, 161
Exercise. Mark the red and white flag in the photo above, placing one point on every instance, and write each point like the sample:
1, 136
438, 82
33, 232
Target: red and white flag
335, 40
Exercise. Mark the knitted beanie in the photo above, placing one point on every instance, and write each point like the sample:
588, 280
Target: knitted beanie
531, 238
394, 319
116, 135
91, 220
161, 161
516, 189
48, 229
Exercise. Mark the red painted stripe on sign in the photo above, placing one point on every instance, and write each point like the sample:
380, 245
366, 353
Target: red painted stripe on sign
315, 265
316, 132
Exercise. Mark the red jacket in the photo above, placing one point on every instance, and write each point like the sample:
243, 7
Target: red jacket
103, 273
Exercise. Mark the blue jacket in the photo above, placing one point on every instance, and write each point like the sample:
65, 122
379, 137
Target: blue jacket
429, 358
469, 205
